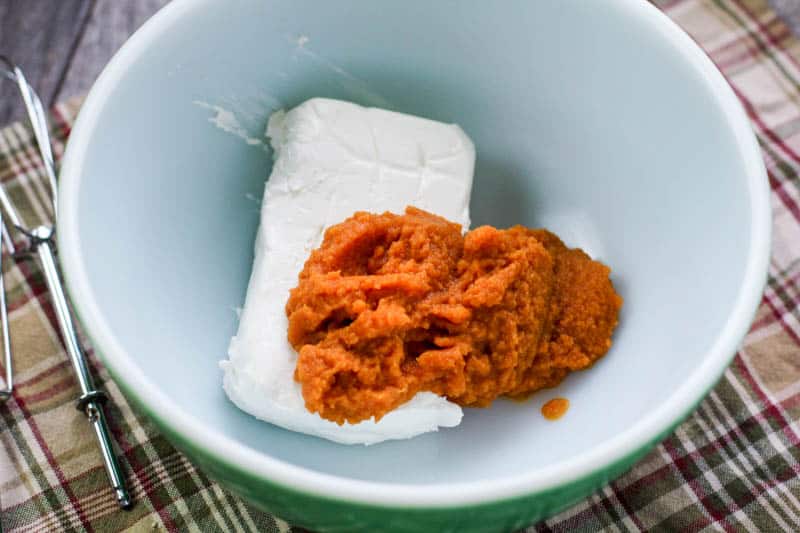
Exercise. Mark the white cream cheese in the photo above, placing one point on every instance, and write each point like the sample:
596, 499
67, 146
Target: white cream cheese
334, 158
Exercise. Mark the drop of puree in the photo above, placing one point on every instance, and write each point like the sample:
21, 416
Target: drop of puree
555, 408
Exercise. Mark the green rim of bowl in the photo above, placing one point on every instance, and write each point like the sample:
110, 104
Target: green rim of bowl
308, 510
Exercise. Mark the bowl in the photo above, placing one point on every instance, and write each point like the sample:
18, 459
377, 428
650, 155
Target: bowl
600, 120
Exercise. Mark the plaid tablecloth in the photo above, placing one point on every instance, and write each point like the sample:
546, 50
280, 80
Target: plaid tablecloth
732, 466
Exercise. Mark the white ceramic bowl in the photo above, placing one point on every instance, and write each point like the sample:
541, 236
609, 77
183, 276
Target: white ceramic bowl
601, 120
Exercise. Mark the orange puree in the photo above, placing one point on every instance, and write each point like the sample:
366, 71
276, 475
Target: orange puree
391, 305
555, 408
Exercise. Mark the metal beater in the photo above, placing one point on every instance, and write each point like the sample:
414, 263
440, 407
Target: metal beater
41, 243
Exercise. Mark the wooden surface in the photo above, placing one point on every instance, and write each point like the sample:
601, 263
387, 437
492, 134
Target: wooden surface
62, 45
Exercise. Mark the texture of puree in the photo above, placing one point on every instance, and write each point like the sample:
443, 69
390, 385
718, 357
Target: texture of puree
390, 305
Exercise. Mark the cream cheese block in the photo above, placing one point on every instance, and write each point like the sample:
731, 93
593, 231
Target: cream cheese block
333, 158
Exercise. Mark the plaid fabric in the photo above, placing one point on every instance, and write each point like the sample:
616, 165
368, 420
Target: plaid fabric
732, 466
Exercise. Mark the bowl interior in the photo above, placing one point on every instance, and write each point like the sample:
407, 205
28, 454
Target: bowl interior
621, 149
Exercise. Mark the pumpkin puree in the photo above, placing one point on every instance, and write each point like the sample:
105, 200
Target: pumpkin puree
555, 408
391, 305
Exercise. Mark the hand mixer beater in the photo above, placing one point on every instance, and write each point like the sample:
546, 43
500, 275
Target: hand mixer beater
40, 242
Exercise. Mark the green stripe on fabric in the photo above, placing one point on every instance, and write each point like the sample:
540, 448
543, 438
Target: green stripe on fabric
50, 498
738, 450
765, 48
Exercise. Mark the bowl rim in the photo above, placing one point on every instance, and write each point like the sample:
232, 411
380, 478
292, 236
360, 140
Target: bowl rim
442, 495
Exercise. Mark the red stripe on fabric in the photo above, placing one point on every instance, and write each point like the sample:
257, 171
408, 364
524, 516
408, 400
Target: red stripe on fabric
39, 293
670, 4
147, 483
21, 403
696, 456
779, 316
751, 50
764, 30
105, 504
42, 296
170, 465
698, 525
104, 510
771, 408
758, 488
30, 162
584, 517
606, 506
776, 186
728, 445
36, 294
618, 494
736, 60
681, 463
63, 513
79, 477
793, 278
764, 321
63, 124
729, 437
51, 391
33, 380
101, 505
642, 482
21, 170
119, 436
791, 402
62, 480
